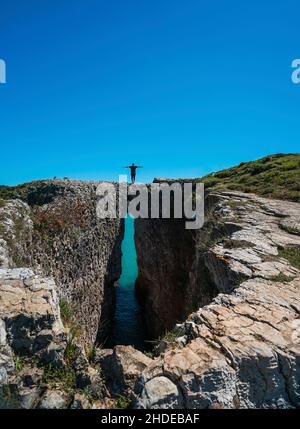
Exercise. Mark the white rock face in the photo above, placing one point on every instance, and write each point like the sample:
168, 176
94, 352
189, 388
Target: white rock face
16, 229
6, 354
30, 314
160, 392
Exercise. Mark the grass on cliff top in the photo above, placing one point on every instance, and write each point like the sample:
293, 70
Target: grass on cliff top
2, 202
275, 176
34, 193
292, 254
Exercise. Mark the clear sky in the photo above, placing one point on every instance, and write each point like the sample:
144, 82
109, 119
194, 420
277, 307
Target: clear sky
182, 87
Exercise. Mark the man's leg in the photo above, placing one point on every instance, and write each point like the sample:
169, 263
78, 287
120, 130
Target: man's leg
132, 177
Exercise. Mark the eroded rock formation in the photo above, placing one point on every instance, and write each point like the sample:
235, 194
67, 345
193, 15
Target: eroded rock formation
173, 279
231, 289
59, 236
243, 349
53, 249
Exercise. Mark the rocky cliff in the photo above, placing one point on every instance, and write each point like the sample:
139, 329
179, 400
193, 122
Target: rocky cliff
58, 263
54, 230
243, 349
172, 279
224, 299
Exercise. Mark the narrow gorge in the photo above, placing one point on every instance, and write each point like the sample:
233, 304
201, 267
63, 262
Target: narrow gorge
221, 305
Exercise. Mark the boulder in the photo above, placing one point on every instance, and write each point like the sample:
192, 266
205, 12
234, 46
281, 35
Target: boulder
54, 399
29, 308
121, 367
160, 393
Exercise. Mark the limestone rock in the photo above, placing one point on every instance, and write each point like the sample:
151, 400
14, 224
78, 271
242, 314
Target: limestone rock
15, 232
80, 402
241, 350
6, 354
55, 231
122, 367
30, 310
160, 393
54, 399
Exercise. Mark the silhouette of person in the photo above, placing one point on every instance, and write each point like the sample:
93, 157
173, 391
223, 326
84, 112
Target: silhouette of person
133, 168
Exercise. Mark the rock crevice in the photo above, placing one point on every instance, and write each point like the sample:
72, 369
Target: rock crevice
241, 349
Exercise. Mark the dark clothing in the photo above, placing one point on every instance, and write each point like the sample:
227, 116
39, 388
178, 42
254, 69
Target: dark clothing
133, 171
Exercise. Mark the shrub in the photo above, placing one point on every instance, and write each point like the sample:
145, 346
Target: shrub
66, 313
123, 402
19, 362
71, 351
267, 176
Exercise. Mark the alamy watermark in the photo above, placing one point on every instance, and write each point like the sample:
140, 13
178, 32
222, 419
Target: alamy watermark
176, 200
2, 71
296, 72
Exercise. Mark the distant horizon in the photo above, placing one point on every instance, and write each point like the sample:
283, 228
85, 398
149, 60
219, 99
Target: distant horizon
182, 88
104, 179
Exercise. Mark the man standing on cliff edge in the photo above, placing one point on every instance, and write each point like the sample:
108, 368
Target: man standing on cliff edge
133, 168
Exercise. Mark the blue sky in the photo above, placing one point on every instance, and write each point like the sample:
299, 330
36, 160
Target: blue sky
180, 87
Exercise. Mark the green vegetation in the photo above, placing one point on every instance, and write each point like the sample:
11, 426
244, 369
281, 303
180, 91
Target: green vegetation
19, 362
71, 351
292, 254
276, 176
9, 396
213, 231
65, 376
2, 202
66, 313
282, 278
290, 229
170, 336
12, 192
91, 353
149, 354
123, 402
229, 243
87, 392
29, 192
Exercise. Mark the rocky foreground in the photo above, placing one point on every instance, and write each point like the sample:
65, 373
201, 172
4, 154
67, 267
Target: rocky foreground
237, 347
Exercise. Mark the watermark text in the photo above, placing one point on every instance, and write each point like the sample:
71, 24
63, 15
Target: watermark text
296, 72
2, 71
175, 200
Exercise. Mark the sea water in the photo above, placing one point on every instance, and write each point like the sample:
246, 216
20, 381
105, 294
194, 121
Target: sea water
128, 326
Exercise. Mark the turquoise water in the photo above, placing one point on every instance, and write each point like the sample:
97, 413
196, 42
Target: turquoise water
128, 326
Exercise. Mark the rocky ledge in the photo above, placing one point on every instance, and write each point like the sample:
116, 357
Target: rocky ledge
55, 231
236, 343
243, 349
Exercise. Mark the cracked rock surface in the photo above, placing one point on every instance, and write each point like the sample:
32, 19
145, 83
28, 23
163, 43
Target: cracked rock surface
243, 349
234, 295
